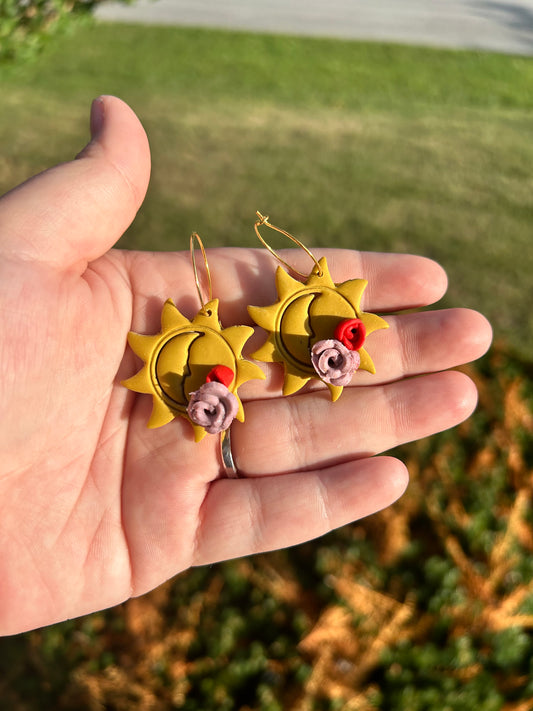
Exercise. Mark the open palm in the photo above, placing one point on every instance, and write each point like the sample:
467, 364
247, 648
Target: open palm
94, 506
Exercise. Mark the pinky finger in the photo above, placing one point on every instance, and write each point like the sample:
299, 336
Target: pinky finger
246, 516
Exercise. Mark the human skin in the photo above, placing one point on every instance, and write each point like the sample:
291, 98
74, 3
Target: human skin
96, 508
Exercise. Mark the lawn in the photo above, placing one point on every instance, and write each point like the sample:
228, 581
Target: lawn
355, 145
428, 605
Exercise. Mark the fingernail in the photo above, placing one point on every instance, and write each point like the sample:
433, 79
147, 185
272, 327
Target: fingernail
97, 116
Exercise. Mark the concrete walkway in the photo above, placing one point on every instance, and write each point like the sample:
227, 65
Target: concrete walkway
498, 25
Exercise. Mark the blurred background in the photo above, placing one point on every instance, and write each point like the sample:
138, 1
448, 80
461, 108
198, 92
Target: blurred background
400, 126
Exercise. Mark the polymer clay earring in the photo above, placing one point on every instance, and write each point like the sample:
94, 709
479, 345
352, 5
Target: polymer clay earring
193, 369
316, 328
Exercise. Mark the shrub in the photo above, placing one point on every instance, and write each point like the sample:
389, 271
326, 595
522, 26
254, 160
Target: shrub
25, 25
426, 606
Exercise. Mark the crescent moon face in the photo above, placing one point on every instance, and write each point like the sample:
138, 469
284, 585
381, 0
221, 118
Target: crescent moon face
306, 314
181, 363
178, 360
307, 317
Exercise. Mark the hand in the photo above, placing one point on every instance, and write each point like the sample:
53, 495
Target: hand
95, 507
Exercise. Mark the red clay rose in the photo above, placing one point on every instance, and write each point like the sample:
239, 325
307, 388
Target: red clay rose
351, 333
220, 374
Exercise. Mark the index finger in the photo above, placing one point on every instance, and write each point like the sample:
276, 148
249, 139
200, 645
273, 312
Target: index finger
243, 277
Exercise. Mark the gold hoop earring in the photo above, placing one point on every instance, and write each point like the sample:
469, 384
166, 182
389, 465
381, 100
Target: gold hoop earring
316, 329
194, 368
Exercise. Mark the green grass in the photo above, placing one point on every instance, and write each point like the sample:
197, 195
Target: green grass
349, 144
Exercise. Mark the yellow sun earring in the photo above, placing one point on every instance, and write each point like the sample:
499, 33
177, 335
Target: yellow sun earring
193, 369
316, 328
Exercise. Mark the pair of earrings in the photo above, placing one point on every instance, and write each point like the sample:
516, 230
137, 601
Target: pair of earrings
194, 368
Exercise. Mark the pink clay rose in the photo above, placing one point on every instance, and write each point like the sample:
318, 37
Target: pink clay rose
333, 362
213, 407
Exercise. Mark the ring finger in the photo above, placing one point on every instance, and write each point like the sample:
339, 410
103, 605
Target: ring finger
302, 432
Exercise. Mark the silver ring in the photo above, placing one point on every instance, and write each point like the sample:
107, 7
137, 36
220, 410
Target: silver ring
228, 465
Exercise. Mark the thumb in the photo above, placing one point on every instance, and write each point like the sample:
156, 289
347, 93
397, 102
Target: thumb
76, 211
